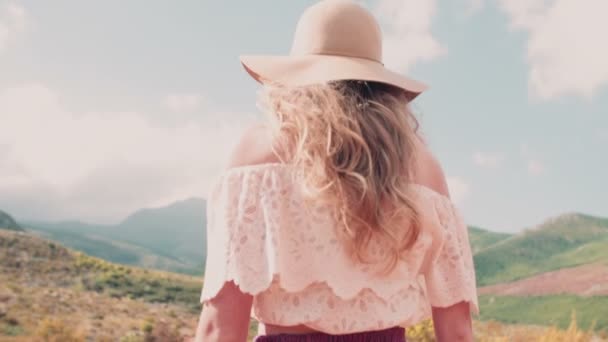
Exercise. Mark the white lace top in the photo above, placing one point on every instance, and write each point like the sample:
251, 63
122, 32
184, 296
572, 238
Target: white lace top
262, 236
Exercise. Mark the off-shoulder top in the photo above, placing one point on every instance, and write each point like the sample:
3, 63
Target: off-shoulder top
264, 236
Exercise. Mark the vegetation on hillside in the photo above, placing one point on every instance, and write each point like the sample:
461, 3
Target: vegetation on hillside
48, 289
493, 331
592, 312
568, 240
481, 238
120, 281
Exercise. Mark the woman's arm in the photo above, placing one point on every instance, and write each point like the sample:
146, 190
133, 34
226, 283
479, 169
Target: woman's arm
225, 317
453, 323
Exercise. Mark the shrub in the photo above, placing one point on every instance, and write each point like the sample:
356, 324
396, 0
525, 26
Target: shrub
11, 330
422, 332
56, 330
132, 337
162, 332
496, 332
147, 326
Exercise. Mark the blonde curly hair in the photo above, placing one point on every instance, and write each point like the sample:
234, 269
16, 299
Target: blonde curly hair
352, 143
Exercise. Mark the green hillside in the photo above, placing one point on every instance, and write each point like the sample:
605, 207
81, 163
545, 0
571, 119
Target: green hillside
168, 238
564, 241
117, 251
481, 238
7, 222
547, 310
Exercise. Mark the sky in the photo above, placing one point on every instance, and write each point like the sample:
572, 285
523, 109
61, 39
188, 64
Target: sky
110, 106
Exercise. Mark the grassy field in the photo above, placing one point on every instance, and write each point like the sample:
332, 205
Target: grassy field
591, 312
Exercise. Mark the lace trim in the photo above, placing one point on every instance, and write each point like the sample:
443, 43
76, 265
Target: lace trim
261, 233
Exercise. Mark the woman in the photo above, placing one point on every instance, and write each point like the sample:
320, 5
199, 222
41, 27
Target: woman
333, 222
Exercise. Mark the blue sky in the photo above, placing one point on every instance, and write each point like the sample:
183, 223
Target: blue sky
107, 107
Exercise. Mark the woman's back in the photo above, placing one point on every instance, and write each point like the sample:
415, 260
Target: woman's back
335, 218
286, 254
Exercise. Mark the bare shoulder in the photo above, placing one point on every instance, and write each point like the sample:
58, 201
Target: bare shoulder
254, 146
428, 170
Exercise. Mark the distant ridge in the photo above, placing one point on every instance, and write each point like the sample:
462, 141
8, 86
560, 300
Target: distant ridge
7, 222
483, 238
170, 237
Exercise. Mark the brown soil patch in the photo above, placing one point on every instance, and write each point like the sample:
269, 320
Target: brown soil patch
585, 280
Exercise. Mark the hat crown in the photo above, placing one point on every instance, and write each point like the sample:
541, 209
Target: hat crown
338, 27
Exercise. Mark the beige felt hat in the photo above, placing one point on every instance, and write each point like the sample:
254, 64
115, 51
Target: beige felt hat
334, 40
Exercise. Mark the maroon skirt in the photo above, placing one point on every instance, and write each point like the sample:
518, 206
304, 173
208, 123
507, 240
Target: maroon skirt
396, 334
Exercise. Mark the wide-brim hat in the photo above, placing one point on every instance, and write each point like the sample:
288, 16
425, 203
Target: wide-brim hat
334, 40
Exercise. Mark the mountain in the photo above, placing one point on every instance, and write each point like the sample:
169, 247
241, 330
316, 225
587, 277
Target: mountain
481, 238
173, 238
177, 230
564, 241
7, 222
170, 238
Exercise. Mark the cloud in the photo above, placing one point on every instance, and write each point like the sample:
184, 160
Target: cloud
182, 102
13, 21
407, 32
459, 189
565, 49
535, 167
488, 160
101, 166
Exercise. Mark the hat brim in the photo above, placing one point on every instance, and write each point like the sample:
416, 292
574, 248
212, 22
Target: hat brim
315, 69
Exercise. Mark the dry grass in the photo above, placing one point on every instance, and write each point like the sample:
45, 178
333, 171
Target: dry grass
492, 331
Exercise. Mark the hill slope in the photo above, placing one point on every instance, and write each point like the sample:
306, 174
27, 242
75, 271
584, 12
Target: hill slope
117, 251
177, 230
44, 285
565, 241
7, 222
481, 238
585, 280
